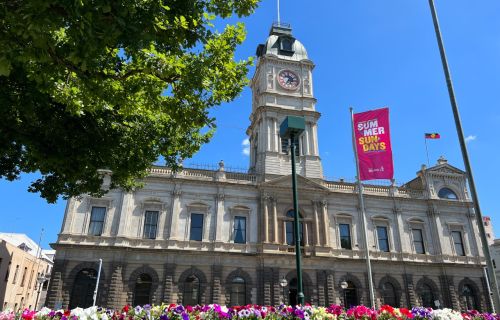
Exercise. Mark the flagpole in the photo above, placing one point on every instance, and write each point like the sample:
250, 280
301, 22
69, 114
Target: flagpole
363, 214
465, 156
426, 151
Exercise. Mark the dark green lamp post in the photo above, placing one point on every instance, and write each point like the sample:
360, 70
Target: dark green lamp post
291, 128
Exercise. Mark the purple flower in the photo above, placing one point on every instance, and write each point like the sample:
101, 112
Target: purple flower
185, 316
163, 317
299, 313
179, 309
51, 314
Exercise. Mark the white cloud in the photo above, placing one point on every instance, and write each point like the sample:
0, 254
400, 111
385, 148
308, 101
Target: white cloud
470, 138
246, 147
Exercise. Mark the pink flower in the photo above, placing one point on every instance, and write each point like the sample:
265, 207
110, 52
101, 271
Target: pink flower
28, 315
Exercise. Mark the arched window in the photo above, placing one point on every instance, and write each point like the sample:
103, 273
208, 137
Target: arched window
238, 292
469, 298
191, 296
350, 295
83, 289
290, 234
142, 291
427, 296
389, 294
447, 193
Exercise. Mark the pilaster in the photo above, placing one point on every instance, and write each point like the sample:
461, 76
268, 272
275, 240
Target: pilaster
175, 212
216, 284
168, 287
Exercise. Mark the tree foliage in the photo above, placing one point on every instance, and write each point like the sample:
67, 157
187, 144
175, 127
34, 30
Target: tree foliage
88, 85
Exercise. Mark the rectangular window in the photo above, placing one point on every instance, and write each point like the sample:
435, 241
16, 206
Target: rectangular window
24, 276
196, 227
383, 239
15, 275
31, 278
345, 236
459, 245
8, 271
97, 221
240, 230
150, 224
418, 241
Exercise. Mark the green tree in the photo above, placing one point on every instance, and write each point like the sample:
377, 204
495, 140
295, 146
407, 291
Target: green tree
88, 85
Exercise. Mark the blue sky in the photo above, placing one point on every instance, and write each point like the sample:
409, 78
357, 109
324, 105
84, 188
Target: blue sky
368, 54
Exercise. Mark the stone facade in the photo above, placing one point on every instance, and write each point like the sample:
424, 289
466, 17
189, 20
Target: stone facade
224, 237
24, 272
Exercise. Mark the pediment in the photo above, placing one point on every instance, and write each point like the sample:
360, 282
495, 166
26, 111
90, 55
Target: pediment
303, 183
445, 168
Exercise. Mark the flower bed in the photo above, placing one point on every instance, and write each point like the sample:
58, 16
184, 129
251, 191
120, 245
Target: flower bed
249, 312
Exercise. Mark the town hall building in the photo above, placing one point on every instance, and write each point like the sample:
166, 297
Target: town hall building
215, 236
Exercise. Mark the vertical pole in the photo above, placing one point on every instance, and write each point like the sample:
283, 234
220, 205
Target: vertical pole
465, 156
278, 5
300, 292
363, 215
38, 257
97, 281
490, 293
426, 151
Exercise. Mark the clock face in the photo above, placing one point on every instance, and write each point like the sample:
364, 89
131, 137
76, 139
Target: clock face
288, 79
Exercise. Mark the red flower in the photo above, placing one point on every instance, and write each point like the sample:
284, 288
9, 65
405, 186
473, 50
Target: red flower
407, 313
387, 308
126, 308
67, 313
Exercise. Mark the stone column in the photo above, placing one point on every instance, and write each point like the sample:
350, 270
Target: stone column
474, 234
219, 216
54, 298
307, 140
330, 281
68, 216
400, 238
266, 285
216, 284
316, 224
168, 287
326, 222
275, 220
115, 296
435, 225
411, 299
175, 212
127, 199
277, 290
265, 225
449, 293
322, 287
162, 216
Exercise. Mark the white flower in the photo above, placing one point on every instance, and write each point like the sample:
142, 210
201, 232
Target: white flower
78, 312
104, 316
43, 312
446, 314
91, 312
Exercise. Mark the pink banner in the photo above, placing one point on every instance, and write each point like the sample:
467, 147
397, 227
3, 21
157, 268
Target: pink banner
371, 130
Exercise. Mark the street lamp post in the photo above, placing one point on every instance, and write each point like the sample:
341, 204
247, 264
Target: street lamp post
283, 284
465, 155
40, 280
344, 286
291, 128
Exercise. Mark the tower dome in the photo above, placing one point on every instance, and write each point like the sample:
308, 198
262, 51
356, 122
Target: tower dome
282, 44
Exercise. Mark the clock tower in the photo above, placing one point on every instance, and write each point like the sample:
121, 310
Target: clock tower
282, 86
